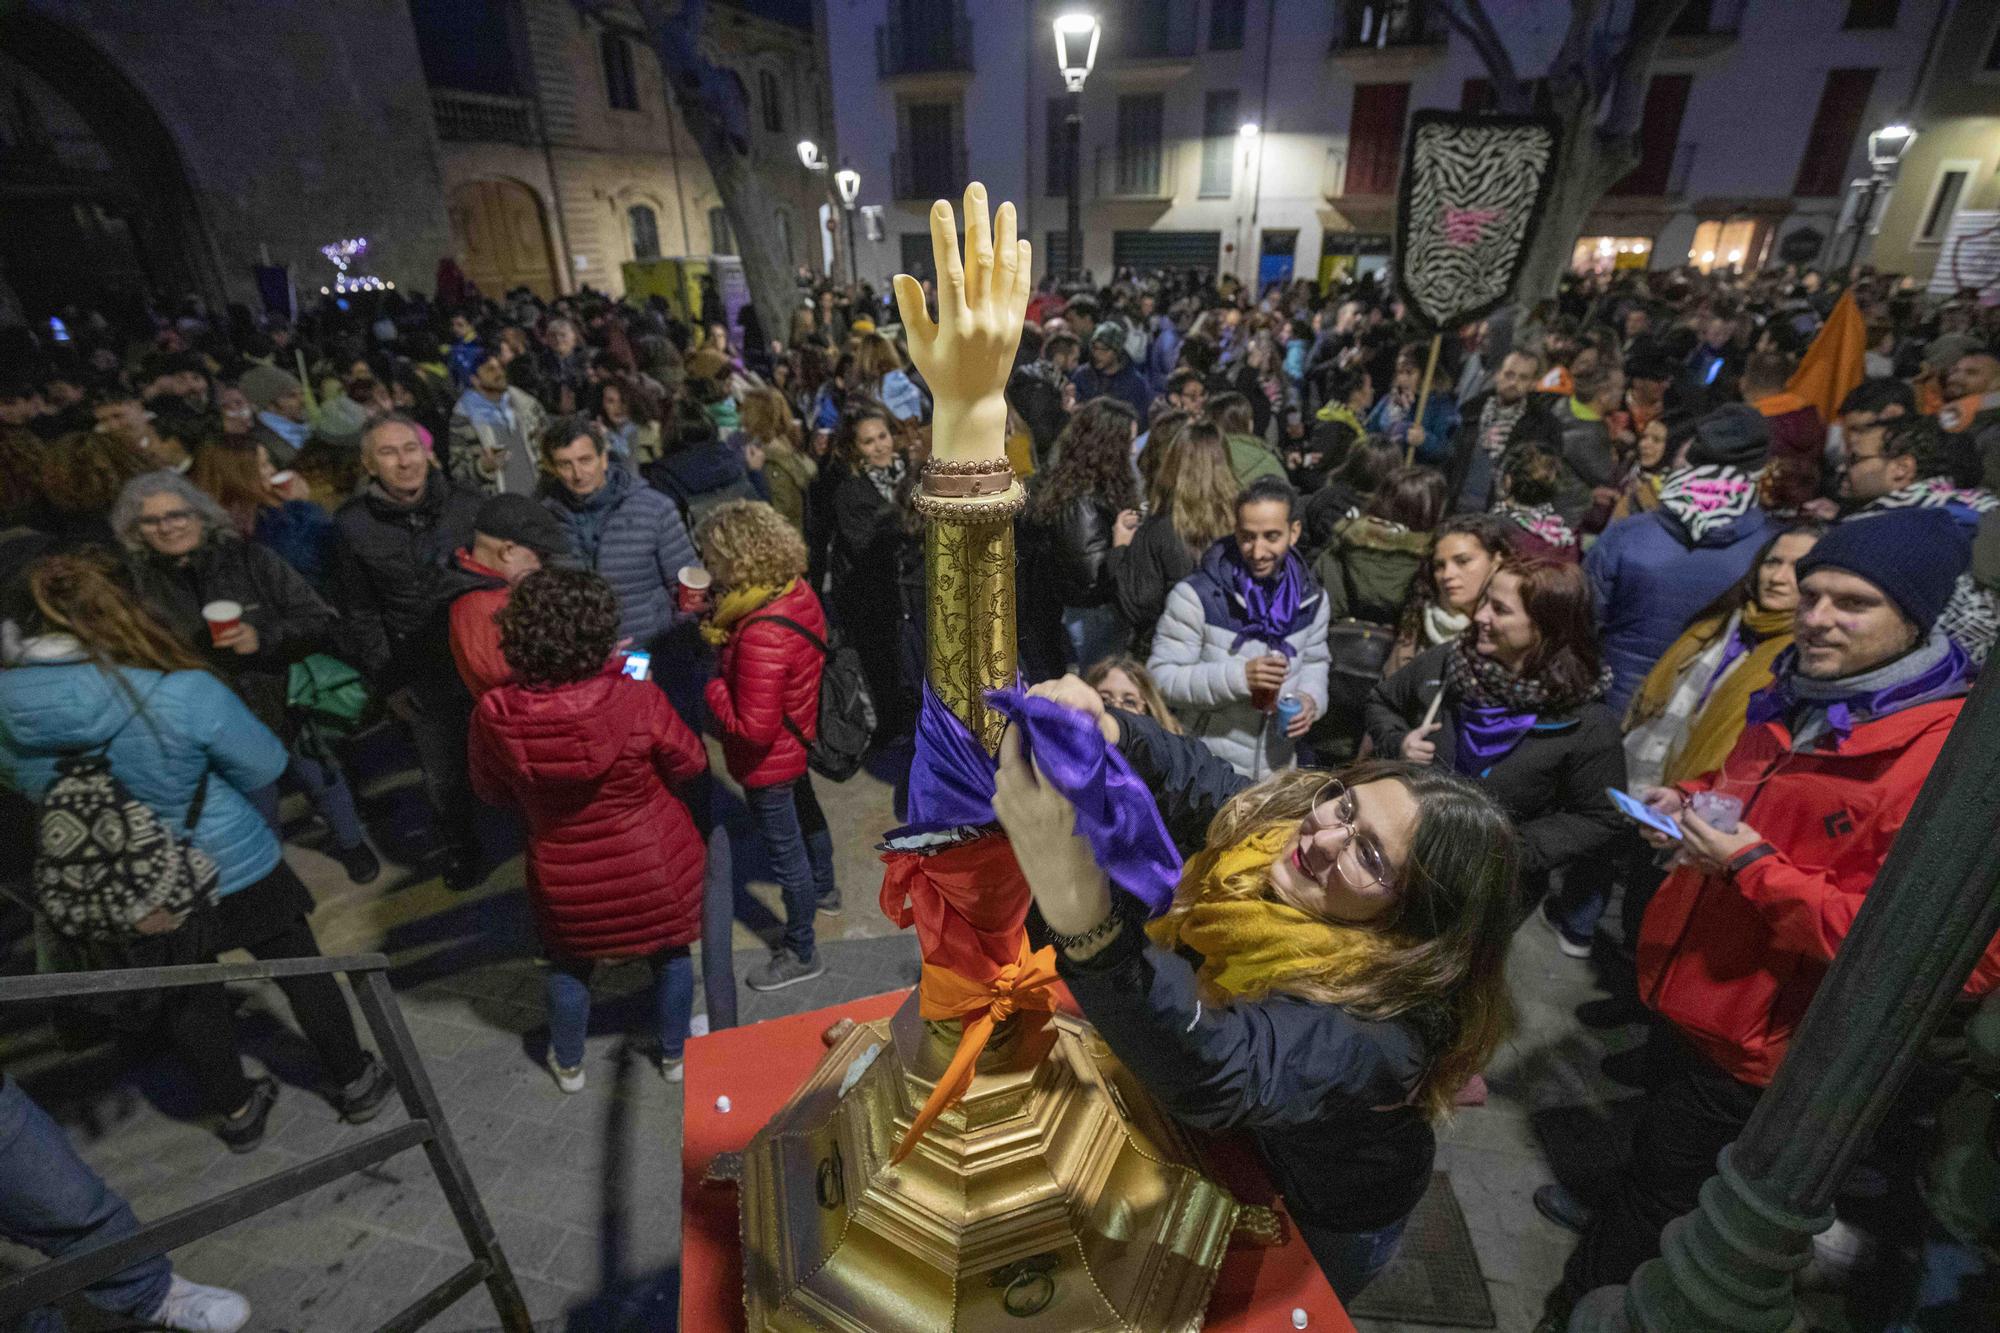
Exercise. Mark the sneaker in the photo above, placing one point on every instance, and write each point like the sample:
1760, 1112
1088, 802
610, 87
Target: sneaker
785, 968
360, 863
361, 1101
243, 1131
698, 1026
191, 1307
829, 902
674, 1070
1563, 1208
569, 1080
1570, 945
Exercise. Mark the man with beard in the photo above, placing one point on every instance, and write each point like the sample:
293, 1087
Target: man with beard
1486, 428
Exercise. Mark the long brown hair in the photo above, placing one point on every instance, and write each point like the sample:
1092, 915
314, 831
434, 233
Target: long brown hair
82, 474
228, 474
1094, 461
1197, 475
1161, 437
77, 595
1453, 917
1555, 596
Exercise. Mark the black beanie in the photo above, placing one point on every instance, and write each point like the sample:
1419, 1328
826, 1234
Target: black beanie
1913, 555
1734, 435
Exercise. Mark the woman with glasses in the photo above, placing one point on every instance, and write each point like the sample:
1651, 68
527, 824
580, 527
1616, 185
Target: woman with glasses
1328, 975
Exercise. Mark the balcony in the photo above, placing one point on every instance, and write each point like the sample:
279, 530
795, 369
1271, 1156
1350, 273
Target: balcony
464, 117
923, 177
934, 50
1375, 38
1152, 42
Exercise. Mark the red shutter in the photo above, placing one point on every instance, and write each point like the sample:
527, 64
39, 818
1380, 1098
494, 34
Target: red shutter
1823, 169
1375, 137
1659, 135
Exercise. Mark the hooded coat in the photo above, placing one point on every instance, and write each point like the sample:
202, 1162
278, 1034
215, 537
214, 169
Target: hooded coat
700, 477
614, 861
1367, 569
1652, 573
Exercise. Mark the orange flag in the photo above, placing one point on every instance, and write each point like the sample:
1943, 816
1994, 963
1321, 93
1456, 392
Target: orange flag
1832, 366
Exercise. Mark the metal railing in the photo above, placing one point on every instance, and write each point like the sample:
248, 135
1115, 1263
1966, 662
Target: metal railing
938, 43
426, 1128
482, 117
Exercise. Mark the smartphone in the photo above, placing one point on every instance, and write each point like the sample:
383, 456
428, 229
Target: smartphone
1634, 808
638, 665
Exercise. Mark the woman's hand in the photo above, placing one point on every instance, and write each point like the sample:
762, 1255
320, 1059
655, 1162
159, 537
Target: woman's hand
1041, 823
1073, 692
1417, 746
968, 352
1126, 526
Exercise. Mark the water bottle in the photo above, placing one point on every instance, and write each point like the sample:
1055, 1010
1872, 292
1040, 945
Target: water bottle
1289, 707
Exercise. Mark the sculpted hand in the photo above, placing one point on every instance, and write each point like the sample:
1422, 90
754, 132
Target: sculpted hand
968, 352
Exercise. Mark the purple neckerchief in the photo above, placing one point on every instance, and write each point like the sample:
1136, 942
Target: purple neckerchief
1269, 606
1486, 736
1739, 644
1776, 702
951, 786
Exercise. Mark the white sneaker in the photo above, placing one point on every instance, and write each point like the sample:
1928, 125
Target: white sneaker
673, 1071
193, 1308
569, 1080
698, 1026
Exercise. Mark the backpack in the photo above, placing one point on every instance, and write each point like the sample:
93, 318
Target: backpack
104, 859
846, 709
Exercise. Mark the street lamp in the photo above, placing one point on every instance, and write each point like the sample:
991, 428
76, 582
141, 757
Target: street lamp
1077, 34
1886, 147
848, 182
1249, 134
809, 156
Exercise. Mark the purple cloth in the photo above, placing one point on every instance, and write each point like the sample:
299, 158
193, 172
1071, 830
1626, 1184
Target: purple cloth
1776, 702
951, 786
1486, 736
1739, 644
1270, 607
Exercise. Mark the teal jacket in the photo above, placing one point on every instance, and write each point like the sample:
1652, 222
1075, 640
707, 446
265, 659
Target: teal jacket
54, 702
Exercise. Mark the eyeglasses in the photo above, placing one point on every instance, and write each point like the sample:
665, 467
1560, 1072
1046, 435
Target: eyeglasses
172, 518
1361, 861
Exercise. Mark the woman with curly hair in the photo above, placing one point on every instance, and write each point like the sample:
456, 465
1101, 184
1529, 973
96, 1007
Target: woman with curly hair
769, 630
1081, 509
81, 477
591, 758
628, 420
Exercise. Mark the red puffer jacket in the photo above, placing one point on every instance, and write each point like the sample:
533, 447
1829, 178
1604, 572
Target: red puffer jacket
769, 672
614, 862
1734, 959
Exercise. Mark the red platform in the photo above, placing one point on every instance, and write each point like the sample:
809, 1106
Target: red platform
759, 1066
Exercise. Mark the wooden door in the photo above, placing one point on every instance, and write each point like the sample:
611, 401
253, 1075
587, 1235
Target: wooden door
501, 239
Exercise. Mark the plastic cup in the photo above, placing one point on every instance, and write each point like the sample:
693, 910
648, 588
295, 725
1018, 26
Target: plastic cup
1717, 810
1265, 700
222, 617
693, 584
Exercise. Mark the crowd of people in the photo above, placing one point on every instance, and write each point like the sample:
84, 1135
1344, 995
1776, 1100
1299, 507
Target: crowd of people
1590, 546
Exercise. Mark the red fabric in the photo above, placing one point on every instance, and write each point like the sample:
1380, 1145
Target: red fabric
969, 904
1733, 961
614, 861
1798, 441
475, 635
767, 674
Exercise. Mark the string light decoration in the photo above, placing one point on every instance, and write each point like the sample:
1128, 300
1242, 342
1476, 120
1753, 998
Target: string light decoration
342, 255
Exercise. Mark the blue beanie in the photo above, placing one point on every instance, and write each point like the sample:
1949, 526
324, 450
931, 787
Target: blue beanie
1913, 555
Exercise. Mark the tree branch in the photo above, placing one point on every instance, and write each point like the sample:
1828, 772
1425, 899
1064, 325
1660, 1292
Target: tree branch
1628, 70
1574, 53
1476, 26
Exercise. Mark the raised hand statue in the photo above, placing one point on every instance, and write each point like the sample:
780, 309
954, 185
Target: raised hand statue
967, 353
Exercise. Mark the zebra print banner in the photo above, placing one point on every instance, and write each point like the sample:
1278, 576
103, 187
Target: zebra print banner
1471, 196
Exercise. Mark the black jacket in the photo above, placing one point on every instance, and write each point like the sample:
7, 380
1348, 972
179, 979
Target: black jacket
1063, 560
393, 578
1469, 475
1143, 573
1551, 784
291, 620
877, 556
1323, 1095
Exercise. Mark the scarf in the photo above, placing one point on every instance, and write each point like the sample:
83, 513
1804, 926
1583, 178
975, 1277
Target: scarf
1494, 708
1702, 499
1442, 625
1496, 423
1937, 493
294, 433
887, 480
1251, 947
738, 603
1541, 522
1691, 707
1270, 606
1938, 669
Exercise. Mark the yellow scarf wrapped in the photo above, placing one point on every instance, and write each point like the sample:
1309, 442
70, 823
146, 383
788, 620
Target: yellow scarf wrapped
1251, 947
735, 605
1712, 731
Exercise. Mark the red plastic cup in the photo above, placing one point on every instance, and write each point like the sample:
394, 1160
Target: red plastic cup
222, 617
692, 588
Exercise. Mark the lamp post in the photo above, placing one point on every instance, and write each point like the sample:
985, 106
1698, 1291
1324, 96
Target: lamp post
1076, 53
848, 182
1886, 147
1250, 135
810, 159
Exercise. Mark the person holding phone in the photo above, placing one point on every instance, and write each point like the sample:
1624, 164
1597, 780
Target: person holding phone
1736, 942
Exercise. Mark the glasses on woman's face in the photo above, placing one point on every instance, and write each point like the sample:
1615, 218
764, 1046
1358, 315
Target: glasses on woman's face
173, 518
1361, 861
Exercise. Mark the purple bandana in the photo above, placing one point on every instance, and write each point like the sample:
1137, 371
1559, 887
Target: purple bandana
1270, 608
951, 786
1486, 736
1739, 644
1776, 702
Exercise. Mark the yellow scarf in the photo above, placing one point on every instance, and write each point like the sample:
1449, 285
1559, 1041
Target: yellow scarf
1251, 947
1712, 732
735, 605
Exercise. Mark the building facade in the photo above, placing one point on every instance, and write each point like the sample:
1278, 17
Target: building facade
156, 146
1264, 139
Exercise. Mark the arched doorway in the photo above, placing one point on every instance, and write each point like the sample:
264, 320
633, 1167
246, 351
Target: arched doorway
502, 238
97, 204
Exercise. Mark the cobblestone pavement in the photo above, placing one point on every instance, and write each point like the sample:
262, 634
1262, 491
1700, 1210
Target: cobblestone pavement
584, 1189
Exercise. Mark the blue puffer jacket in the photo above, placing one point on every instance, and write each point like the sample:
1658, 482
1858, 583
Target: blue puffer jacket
1650, 577
54, 702
633, 536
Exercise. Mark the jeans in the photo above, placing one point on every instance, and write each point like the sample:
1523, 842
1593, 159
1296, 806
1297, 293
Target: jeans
1352, 1259
53, 1203
326, 786
569, 1003
801, 851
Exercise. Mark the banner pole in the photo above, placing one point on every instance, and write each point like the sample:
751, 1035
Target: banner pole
1424, 394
